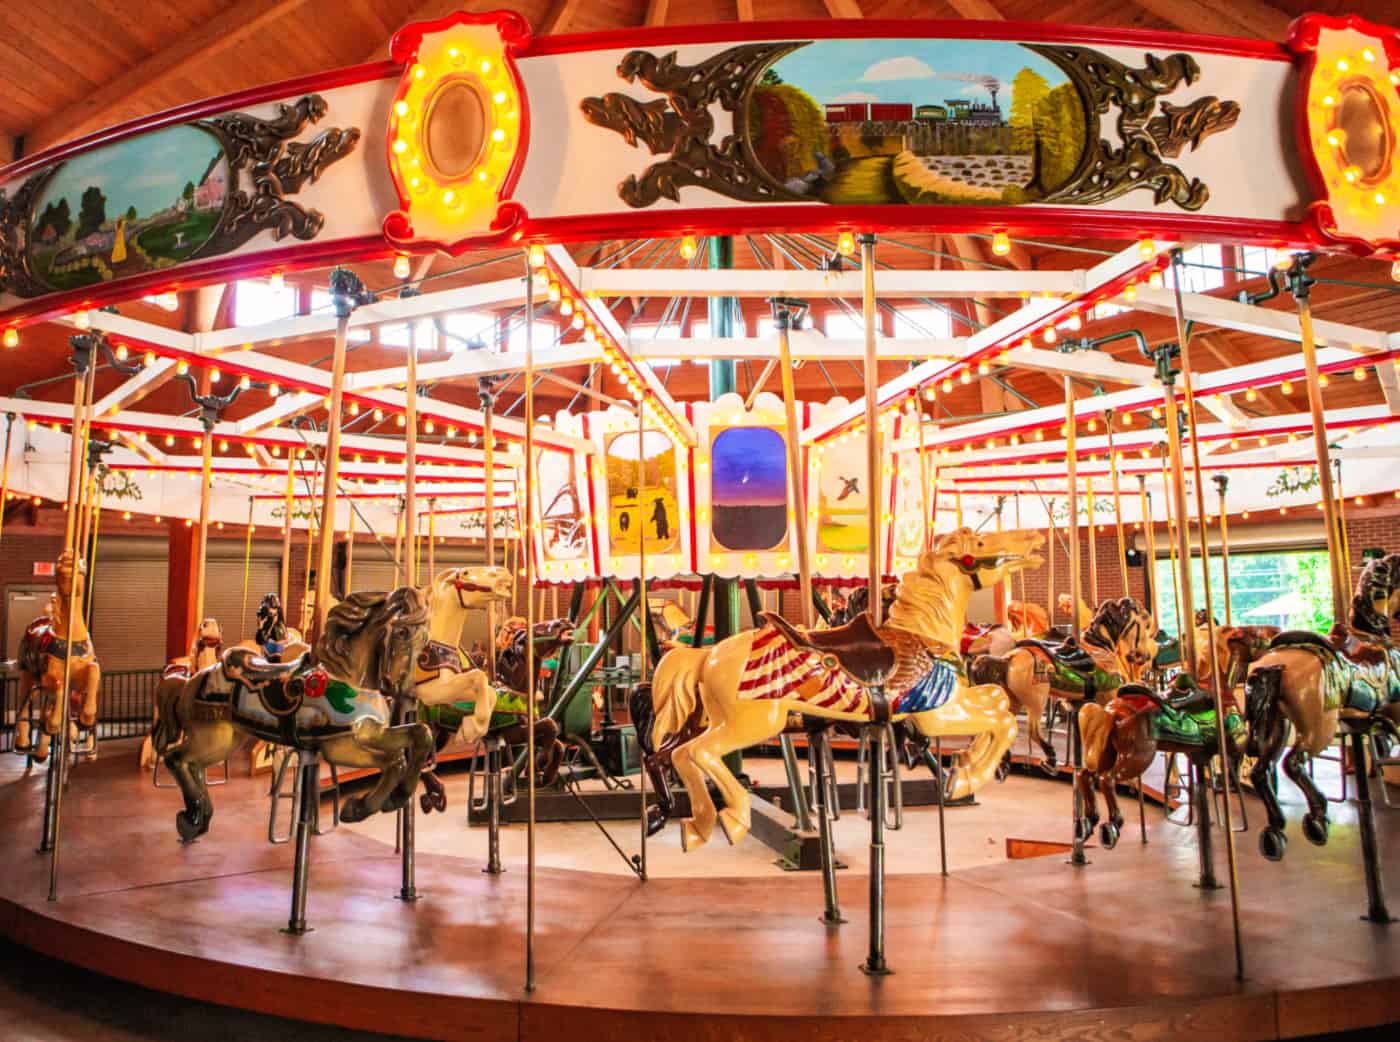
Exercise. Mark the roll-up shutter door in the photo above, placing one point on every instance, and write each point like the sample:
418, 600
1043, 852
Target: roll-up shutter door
372, 571
223, 594
128, 611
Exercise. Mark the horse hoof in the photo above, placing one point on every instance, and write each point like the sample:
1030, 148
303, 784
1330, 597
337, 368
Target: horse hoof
1108, 835
426, 802
690, 836
1003, 770
189, 827
1272, 844
1315, 829
734, 827
353, 810
440, 802
1050, 767
1084, 828
656, 821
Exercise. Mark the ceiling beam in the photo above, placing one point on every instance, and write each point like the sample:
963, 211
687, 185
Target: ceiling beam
560, 17
1199, 16
1090, 365
984, 10
656, 12
890, 284
235, 23
844, 9
806, 345
743, 9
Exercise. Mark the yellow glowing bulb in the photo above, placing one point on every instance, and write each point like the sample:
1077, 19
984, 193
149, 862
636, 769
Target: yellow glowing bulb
1336, 137
1328, 100
1250, 394
12, 337
449, 197
400, 146
947, 385
688, 246
169, 440
244, 382
566, 306
1379, 197
276, 282
182, 367
1323, 380
498, 135
401, 109
499, 97
1286, 387
485, 66
536, 254
1147, 249
1001, 244
1351, 174
419, 72
1395, 269
1343, 65
80, 319
846, 244
215, 376
1130, 292
965, 377
1050, 335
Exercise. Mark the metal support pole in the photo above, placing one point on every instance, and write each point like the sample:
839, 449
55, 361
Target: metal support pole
874, 964
408, 819
782, 317
942, 800
494, 796
1222, 482
1200, 794
799, 800
1113, 464
819, 752
1376, 910
288, 505
873, 447
527, 549
309, 771
1076, 758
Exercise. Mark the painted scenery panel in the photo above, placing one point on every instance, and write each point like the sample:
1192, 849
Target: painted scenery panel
841, 499
654, 506
908, 507
136, 206
748, 491
562, 517
917, 121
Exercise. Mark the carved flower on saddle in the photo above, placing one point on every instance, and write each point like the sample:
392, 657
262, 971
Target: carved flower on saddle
315, 683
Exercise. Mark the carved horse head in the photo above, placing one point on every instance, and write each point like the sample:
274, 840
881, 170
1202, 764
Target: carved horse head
473, 586
1377, 598
1126, 628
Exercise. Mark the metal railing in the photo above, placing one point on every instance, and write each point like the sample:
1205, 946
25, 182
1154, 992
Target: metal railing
125, 705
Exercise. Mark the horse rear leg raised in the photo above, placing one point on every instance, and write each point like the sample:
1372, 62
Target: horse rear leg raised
1268, 731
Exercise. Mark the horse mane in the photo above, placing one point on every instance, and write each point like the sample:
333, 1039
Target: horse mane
924, 602
1111, 621
352, 641
1383, 575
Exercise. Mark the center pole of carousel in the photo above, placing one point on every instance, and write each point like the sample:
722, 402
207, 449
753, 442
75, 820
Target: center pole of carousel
723, 380
874, 965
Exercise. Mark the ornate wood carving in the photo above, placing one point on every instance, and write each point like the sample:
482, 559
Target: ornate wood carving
681, 123
15, 211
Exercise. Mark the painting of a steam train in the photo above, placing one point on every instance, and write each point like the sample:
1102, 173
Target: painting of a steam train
916, 121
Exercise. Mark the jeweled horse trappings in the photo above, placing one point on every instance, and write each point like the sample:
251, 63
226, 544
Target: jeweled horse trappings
1315, 683
47, 642
340, 705
744, 688
1116, 647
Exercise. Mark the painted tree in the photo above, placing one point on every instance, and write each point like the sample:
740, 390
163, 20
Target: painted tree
56, 216
188, 193
1059, 138
131, 214
1027, 90
92, 211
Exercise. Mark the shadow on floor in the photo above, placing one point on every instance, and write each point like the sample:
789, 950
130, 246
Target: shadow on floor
44, 1000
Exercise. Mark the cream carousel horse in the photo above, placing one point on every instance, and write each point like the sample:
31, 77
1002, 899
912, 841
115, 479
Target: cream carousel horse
1316, 683
747, 685
208, 646
1117, 648
1064, 603
342, 707
47, 641
1022, 621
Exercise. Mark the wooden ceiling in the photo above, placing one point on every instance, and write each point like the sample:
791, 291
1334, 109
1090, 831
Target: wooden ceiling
69, 67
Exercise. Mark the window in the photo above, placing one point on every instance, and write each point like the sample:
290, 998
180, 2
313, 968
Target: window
911, 323
464, 326
1258, 260
640, 335
767, 327
546, 335
1203, 270
1286, 588
699, 330
842, 325
401, 334
256, 302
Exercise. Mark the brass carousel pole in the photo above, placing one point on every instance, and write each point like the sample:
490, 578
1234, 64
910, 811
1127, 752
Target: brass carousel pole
398, 542
874, 964
1093, 544
529, 533
1222, 482
206, 480
1172, 555
5, 468
643, 610
1149, 530
1203, 531
488, 443
1343, 536
84, 347
782, 318
406, 712
1050, 554
1021, 572
432, 538
288, 505
1117, 508
1076, 856
247, 573
350, 549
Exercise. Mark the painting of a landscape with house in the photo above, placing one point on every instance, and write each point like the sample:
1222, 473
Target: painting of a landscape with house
916, 121
139, 205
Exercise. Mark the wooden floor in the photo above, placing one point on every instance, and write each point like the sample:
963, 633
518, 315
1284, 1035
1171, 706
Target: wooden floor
1126, 948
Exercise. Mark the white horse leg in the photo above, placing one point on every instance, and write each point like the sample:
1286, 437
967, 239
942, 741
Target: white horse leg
983, 711
747, 724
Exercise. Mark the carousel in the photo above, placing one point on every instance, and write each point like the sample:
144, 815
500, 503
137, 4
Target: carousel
527, 535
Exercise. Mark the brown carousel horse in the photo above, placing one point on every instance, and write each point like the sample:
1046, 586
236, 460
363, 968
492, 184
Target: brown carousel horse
1236, 647
208, 647
47, 641
341, 707
552, 639
1317, 683
1116, 647
742, 690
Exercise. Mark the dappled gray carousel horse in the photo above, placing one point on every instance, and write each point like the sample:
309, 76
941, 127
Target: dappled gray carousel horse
337, 701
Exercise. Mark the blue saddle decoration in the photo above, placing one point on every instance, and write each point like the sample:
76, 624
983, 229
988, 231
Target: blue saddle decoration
932, 691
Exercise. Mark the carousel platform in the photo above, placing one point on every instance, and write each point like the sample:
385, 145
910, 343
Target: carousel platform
1126, 947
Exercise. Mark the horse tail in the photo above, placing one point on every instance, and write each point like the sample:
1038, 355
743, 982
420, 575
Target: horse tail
989, 669
675, 690
1095, 725
643, 716
1262, 688
166, 728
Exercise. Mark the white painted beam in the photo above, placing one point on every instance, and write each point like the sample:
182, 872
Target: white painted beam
1092, 365
813, 284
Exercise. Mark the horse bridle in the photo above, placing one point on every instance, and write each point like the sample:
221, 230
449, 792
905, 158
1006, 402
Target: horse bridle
971, 565
461, 585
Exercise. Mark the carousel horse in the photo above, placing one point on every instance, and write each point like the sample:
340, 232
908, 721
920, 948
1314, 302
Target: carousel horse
1064, 604
1116, 647
47, 641
1022, 621
846, 609
1122, 737
208, 647
1316, 683
274, 640
741, 691
341, 707
455, 696
1236, 647
509, 721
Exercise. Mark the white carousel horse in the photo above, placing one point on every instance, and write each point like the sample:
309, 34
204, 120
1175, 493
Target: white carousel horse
740, 692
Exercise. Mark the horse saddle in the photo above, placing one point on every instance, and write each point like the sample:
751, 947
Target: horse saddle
1339, 642
855, 647
271, 680
1067, 654
438, 655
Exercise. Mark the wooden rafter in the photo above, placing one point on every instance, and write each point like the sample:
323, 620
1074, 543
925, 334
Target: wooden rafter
656, 12
844, 9
226, 29
984, 10
560, 17
1198, 16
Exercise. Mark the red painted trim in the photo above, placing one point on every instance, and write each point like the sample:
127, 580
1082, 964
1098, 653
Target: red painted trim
690, 477
592, 506
343, 77
868, 28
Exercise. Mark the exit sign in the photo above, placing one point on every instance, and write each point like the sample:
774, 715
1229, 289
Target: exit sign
44, 568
